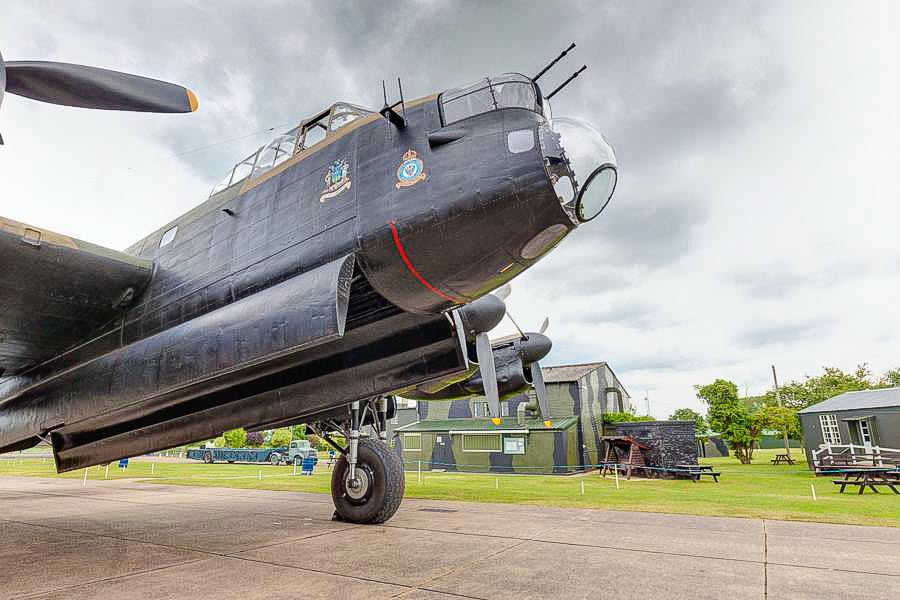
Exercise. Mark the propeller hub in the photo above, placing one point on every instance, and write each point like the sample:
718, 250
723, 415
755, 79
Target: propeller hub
482, 315
534, 348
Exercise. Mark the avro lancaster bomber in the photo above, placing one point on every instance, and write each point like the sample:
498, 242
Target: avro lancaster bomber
348, 260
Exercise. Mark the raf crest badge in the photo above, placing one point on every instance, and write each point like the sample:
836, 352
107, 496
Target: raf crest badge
337, 179
411, 171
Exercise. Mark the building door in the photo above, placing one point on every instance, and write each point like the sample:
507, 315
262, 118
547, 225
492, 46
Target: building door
865, 434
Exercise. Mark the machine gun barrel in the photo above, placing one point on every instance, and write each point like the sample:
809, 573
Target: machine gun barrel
566, 82
553, 62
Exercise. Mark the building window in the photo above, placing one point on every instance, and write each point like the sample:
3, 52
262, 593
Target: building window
830, 432
481, 443
412, 442
395, 421
168, 237
514, 444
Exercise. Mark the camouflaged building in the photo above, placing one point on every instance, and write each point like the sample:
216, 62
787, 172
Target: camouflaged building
458, 434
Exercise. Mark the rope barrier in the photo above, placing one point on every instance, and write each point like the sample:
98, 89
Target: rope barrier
415, 465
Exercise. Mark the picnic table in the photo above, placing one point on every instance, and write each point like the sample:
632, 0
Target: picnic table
696, 471
782, 459
870, 477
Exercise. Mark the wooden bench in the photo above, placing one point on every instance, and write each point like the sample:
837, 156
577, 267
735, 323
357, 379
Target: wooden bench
871, 477
697, 471
862, 483
782, 459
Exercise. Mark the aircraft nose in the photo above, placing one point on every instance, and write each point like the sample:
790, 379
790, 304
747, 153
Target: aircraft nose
536, 347
582, 165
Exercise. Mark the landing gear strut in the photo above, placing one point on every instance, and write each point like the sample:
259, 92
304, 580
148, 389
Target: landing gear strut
368, 480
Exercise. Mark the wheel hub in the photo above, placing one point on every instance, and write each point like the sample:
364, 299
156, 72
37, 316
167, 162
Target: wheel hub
358, 488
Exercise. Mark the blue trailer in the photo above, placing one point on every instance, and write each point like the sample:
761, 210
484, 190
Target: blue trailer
274, 456
293, 454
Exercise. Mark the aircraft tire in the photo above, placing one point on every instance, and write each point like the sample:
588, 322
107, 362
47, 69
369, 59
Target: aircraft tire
381, 492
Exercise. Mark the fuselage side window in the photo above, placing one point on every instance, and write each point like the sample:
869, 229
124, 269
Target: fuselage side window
168, 237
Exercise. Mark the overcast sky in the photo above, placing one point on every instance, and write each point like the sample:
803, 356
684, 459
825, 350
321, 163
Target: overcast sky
756, 217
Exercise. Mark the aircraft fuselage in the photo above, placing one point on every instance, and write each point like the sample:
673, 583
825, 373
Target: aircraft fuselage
292, 293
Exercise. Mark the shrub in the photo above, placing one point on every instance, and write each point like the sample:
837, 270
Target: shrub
624, 417
255, 439
236, 438
280, 437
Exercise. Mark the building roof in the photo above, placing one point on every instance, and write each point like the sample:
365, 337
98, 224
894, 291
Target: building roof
485, 425
863, 399
569, 372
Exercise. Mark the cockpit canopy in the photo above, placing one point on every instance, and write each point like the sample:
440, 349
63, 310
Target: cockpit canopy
285, 145
491, 93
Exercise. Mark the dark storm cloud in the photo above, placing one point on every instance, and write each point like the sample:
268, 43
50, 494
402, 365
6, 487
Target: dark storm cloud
654, 85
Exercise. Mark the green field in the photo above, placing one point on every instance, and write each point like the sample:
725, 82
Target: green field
760, 490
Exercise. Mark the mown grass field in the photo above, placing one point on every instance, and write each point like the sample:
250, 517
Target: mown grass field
760, 490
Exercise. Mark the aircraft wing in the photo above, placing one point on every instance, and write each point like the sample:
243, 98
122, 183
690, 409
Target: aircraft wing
56, 291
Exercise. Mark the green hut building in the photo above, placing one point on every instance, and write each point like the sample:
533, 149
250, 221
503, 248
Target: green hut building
457, 435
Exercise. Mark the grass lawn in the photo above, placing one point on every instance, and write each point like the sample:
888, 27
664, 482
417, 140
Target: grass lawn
760, 490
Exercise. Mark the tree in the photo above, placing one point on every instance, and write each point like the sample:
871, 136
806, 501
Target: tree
728, 416
782, 419
255, 439
219, 442
236, 438
280, 437
891, 378
298, 432
830, 383
686, 414
624, 417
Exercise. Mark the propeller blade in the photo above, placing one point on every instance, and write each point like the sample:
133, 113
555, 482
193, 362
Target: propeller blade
503, 291
540, 391
545, 325
90, 87
488, 374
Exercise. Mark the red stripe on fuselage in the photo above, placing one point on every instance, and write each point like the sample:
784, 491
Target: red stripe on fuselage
412, 269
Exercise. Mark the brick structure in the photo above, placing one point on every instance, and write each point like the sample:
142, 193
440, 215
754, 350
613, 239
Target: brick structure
669, 443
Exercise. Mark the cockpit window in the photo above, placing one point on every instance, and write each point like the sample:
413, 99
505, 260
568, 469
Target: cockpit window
285, 145
514, 90
276, 152
315, 131
344, 114
507, 91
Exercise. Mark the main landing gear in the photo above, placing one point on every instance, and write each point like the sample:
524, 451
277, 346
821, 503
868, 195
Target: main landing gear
368, 480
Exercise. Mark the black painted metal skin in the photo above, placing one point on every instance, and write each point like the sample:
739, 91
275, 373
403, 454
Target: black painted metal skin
285, 306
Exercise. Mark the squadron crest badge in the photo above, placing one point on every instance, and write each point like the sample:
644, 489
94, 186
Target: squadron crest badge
337, 179
411, 171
